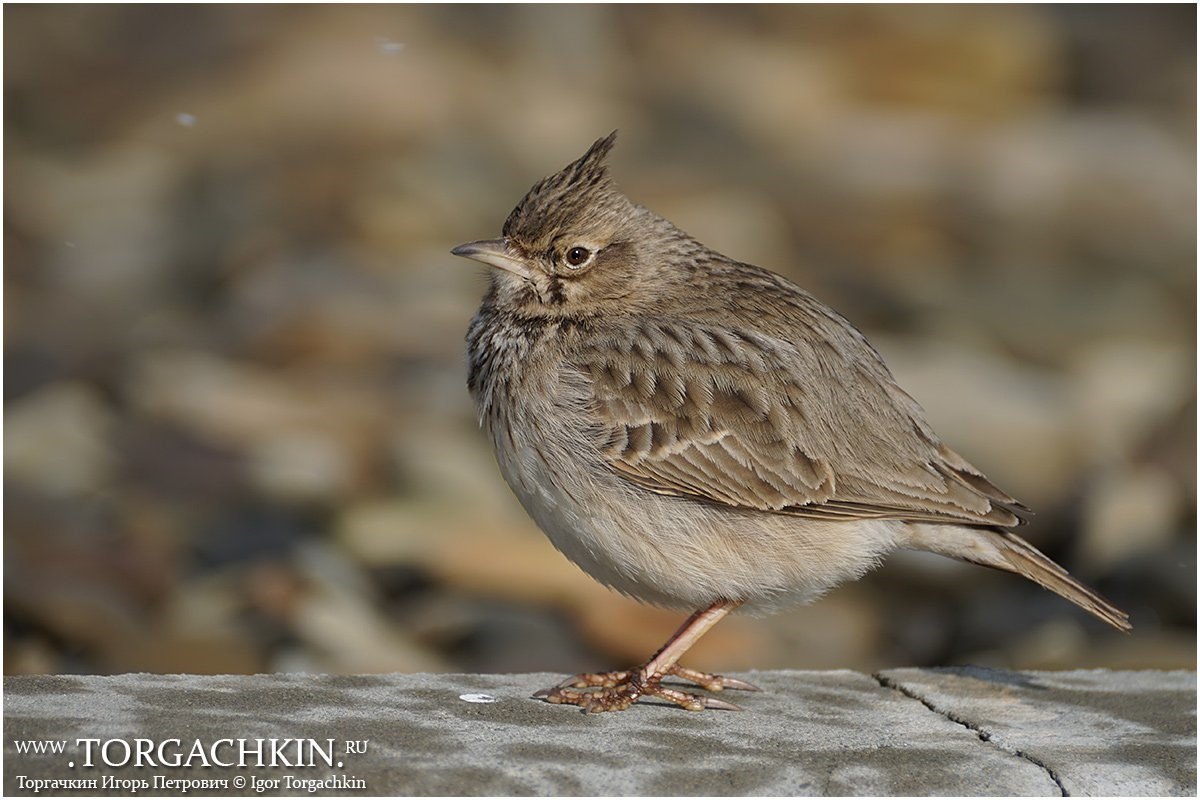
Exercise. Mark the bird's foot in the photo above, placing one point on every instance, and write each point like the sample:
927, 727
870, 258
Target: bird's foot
620, 689
706, 680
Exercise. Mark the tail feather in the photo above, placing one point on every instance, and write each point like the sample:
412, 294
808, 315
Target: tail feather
1004, 550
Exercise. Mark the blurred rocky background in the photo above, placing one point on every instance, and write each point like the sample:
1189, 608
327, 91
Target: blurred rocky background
237, 435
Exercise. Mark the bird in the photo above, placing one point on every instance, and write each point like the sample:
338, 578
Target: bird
700, 433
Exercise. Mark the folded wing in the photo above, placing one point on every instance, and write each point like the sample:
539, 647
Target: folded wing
813, 428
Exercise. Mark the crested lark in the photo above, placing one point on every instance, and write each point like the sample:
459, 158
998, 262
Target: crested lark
700, 433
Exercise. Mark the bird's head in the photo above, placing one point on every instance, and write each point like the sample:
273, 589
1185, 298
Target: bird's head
573, 245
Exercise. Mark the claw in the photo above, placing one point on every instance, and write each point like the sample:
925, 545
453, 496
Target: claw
734, 683
721, 705
714, 683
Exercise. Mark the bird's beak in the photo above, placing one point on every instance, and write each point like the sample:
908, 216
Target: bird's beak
495, 253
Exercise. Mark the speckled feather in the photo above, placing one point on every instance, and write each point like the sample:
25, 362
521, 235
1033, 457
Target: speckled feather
729, 413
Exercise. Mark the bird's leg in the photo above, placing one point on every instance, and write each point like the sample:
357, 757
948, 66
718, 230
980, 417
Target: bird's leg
621, 689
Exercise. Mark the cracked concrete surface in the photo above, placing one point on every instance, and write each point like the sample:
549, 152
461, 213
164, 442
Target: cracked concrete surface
984, 735
906, 731
1095, 733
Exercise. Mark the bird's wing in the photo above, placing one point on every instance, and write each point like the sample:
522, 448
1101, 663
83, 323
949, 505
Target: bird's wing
814, 428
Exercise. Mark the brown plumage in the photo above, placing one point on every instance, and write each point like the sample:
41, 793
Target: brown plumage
699, 432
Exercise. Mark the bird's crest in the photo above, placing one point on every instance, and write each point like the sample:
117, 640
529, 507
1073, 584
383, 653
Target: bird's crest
583, 185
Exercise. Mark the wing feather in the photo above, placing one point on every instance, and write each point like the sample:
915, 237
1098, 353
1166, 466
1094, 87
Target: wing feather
747, 420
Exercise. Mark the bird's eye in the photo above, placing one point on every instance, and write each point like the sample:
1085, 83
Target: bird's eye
577, 255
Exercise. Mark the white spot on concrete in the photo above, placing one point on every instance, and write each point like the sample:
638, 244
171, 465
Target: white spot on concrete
186, 120
477, 698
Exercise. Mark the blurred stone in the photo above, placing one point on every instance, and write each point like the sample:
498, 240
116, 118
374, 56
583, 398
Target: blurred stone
58, 440
30, 656
111, 210
274, 589
301, 466
1055, 642
1062, 644
164, 650
305, 438
101, 592
330, 54
1123, 391
347, 635
842, 630
793, 113
976, 62
1160, 585
511, 637
205, 606
235, 402
338, 619
565, 64
242, 532
441, 619
1066, 202
385, 533
1151, 649
340, 308
296, 659
178, 468
442, 463
1129, 511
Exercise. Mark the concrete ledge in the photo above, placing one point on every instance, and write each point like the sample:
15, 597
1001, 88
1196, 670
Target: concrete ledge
906, 731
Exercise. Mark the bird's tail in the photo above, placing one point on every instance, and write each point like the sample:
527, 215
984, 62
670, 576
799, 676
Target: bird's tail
1007, 551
